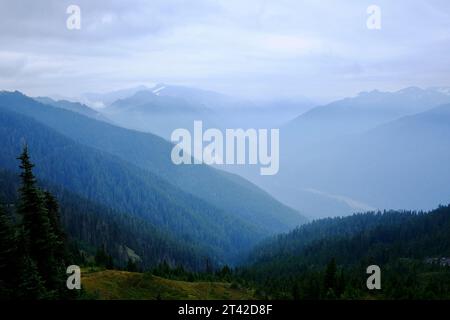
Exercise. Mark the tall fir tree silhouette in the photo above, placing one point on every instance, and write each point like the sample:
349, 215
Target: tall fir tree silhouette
42, 237
33, 251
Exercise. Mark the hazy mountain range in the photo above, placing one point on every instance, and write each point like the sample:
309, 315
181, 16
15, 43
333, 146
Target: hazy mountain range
376, 150
337, 158
115, 181
164, 108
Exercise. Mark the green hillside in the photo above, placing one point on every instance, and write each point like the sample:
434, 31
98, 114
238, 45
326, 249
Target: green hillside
112, 284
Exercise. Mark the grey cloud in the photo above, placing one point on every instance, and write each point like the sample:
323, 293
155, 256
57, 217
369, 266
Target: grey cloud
240, 47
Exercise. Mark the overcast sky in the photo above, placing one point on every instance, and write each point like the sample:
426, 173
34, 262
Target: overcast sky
319, 49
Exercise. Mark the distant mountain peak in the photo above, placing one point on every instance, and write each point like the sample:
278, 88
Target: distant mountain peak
15, 92
411, 90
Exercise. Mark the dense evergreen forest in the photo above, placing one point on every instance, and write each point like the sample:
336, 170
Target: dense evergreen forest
91, 226
328, 258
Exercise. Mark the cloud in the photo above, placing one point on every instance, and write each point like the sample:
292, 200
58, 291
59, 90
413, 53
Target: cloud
240, 47
11, 64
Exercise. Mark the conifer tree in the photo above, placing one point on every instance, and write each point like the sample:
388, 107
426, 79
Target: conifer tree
40, 241
33, 252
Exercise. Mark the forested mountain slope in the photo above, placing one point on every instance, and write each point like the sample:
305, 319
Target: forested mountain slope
231, 194
91, 226
407, 246
110, 181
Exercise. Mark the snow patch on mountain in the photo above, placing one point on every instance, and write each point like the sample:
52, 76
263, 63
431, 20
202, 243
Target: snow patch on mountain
158, 90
